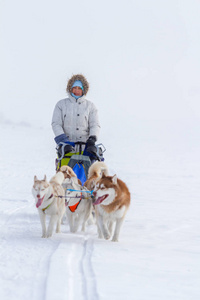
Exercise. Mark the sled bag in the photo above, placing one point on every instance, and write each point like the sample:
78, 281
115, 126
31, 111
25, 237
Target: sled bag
80, 164
80, 172
65, 160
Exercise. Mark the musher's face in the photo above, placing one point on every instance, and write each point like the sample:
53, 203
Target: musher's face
77, 91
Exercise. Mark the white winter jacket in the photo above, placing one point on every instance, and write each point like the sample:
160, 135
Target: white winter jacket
78, 119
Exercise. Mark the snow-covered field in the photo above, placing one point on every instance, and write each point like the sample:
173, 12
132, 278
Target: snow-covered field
158, 256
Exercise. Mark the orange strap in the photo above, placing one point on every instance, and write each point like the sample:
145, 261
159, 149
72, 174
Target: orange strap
72, 208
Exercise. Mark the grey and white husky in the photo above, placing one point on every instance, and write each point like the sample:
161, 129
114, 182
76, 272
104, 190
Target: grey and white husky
78, 200
79, 206
49, 199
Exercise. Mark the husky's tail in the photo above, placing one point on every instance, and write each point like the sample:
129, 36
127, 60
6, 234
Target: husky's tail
98, 169
58, 178
68, 170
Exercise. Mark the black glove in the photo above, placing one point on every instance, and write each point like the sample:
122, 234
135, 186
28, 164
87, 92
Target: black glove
90, 145
64, 149
91, 141
68, 148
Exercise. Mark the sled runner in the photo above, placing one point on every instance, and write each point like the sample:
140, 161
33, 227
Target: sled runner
80, 160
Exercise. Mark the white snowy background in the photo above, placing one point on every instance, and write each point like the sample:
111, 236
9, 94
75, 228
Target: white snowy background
142, 59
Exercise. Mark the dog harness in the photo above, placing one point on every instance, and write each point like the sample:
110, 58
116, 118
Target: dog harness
73, 208
49, 204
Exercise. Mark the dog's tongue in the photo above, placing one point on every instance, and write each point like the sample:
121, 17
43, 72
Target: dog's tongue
100, 199
39, 202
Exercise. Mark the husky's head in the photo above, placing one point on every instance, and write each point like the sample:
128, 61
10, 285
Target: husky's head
39, 190
105, 190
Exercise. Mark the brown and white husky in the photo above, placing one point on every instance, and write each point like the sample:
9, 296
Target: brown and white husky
112, 200
49, 199
79, 206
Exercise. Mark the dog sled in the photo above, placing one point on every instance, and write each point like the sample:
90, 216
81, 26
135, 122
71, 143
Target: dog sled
79, 159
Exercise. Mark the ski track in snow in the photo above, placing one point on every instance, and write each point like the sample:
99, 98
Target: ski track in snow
71, 270
88, 275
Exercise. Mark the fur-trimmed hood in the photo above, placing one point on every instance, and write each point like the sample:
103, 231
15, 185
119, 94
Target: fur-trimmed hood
82, 79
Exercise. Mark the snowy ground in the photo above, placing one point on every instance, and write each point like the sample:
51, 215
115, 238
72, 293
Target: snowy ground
158, 256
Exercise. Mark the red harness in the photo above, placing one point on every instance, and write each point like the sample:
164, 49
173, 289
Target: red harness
73, 208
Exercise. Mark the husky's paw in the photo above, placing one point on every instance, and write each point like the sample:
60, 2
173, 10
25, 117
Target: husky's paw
115, 239
106, 235
44, 236
83, 227
49, 235
73, 229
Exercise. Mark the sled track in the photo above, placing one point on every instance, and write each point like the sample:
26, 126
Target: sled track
88, 275
71, 270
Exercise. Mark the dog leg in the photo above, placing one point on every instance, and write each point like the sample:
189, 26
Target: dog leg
103, 228
100, 235
62, 214
110, 227
73, 225
91, 220
58, 227
117, 229
83, 225
71, 221
43, 222
64, 218
99, 232
84, 220
86, 217
77, 221
60, 218
51, 225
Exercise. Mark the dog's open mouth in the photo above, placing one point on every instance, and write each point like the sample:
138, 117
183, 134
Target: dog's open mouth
39, 202
100, 199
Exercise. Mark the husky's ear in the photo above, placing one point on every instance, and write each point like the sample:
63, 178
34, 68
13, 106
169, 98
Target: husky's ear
103, 175
103, 172
45, 178
114, 179
35, 178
